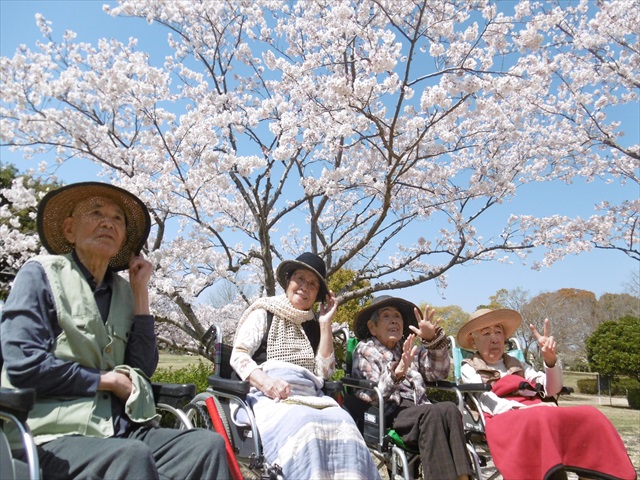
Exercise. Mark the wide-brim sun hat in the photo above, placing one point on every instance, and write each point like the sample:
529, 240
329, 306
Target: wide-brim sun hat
405, 308
486, 317
58, 204
307, 261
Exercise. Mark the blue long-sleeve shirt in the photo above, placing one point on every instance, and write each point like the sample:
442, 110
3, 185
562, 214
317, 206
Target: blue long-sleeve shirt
29, 328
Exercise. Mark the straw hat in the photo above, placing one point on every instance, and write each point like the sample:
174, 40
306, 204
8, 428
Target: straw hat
59, 204
485, 317
405, 307
307, 261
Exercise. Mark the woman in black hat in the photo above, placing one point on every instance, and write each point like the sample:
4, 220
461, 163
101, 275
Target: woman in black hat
285, 350
387, 354
83, 337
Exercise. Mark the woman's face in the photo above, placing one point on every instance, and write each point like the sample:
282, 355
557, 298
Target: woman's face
303, 288
388, 328
489, 342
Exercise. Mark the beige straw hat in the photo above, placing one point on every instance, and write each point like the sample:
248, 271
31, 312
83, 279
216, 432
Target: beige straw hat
59, 204
485, 317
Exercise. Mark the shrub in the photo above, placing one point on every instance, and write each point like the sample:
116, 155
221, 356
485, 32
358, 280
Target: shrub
633, 397
196, 374
619, 387
588, 386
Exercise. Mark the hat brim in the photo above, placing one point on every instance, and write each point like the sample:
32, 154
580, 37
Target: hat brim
288, 266
509, 319
406, 308
58, 204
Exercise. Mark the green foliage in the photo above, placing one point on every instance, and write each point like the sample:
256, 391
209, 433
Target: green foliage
612, 349
196, 374
453, 317
633, 397
344, 281
619, 387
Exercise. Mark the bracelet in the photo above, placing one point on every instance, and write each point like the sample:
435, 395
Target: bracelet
438, 342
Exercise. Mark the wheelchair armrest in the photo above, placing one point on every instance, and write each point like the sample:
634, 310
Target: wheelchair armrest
17, 401
442, 385
566, 391
226, 385
173, 394
474, 387
358, 383
332, 387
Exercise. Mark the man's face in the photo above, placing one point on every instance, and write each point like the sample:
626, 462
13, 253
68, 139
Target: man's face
489, 342
97, 227
389, 327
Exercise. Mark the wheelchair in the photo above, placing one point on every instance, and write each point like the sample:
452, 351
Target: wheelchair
473, 418
398, 459
15, 405
226, 394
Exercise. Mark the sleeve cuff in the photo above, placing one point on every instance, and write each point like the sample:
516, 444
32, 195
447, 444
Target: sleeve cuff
438, 342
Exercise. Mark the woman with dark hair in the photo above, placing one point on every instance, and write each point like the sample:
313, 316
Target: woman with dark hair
284, 349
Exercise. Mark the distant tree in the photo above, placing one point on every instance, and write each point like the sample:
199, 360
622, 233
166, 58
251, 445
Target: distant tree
632, 285
572, 313
612, 349
453, 317
612, 306
340, 282
18, 233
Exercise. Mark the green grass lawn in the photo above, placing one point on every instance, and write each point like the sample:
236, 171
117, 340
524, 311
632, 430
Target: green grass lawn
176, 361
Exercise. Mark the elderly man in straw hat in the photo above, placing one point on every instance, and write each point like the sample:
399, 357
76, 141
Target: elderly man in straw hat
388, 355
83, 337
527, 442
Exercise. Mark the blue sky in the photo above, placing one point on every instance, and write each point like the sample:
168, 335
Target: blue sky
469, 286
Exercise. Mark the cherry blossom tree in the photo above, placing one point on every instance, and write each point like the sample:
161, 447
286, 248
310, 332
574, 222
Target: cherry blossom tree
379, 134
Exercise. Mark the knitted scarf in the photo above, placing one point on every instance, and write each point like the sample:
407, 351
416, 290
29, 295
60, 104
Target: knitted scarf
286, 340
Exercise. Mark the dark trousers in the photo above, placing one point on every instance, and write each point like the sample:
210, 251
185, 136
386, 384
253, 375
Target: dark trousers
436, 429
146, 454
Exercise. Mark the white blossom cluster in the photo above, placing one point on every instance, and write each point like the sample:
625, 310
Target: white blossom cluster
380, 134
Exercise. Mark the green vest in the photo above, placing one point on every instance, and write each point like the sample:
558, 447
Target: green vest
85, 339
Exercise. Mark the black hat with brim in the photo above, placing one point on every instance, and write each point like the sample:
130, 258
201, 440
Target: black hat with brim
405, 308
306, 261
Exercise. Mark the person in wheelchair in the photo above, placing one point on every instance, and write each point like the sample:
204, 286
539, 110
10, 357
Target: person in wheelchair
83, 337
388, 355
526, 439
285, 350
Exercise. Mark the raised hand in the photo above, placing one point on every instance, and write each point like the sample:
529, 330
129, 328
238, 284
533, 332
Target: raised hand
546, 343
427, 326
409, 351
329, 310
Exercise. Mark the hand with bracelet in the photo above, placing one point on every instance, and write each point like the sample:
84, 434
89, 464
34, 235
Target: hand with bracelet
427, 326
427, 331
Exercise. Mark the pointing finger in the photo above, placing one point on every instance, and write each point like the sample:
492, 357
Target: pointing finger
535, 332
546, 327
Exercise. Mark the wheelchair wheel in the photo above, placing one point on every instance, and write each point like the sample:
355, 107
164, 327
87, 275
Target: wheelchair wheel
198, 413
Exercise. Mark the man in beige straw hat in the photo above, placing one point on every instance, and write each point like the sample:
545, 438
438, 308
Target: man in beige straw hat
83, 338
527, 442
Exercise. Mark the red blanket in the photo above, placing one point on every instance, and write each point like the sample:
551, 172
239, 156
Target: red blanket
533, 443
